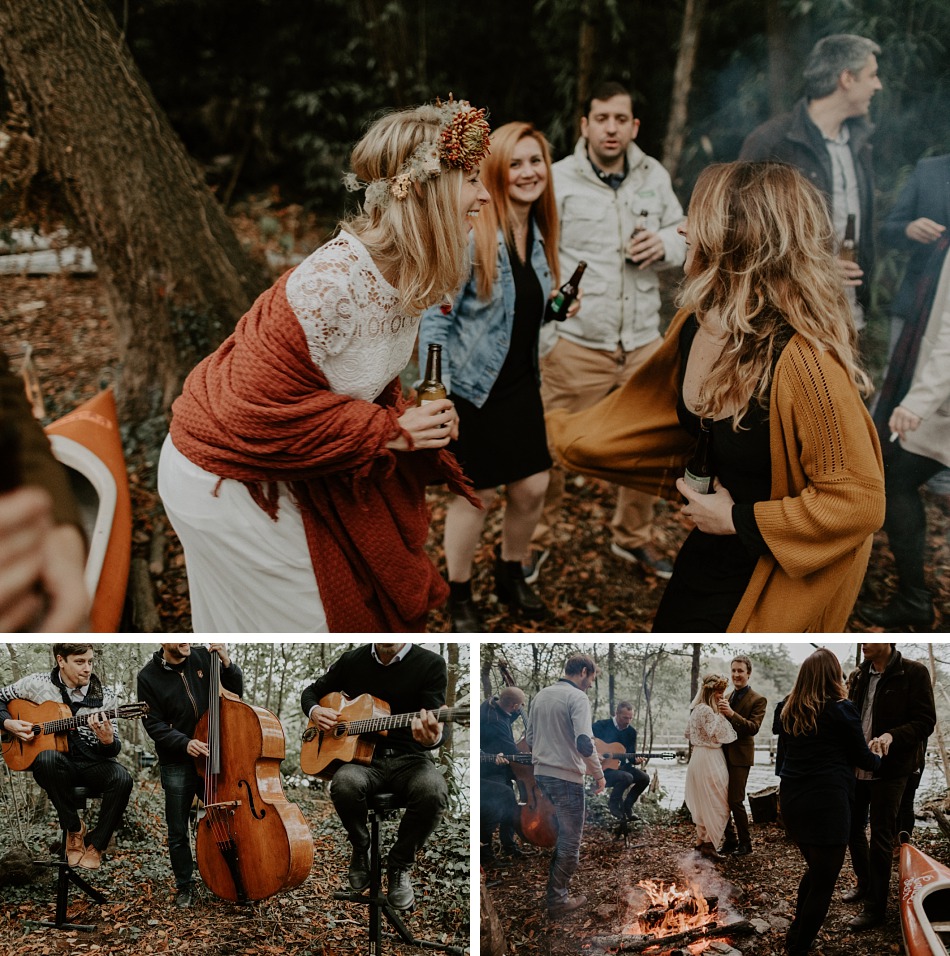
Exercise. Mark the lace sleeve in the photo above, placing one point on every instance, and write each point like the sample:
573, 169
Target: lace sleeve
321, 292
709, 728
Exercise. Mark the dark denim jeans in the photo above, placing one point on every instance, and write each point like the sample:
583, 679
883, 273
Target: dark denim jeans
632, 782
568, 799
181, 784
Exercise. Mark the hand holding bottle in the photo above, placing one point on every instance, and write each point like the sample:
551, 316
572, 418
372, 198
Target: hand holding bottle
431, 425
711, 513
644, 248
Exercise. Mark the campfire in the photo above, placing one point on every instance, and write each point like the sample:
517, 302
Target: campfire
670, 919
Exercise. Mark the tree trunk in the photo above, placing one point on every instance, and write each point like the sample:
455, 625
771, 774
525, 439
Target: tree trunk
492, 934
176, 276
682, 83
586, 57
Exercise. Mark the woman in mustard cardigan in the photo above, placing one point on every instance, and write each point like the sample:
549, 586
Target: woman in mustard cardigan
763, 351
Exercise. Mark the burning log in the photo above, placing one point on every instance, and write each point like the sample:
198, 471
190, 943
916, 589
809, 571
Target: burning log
626, 943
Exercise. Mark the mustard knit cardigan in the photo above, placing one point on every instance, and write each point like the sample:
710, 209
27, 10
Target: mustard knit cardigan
827, 496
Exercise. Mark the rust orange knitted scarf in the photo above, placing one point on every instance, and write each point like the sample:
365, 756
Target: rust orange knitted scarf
260, 412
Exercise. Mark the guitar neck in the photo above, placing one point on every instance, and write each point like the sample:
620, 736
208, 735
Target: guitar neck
376, 725
80, 720
511, 758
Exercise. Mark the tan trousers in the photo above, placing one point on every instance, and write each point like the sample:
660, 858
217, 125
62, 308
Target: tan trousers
574, 377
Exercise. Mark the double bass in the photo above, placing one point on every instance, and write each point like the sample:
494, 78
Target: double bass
252, 842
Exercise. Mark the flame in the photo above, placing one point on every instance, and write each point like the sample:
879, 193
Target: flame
670, 910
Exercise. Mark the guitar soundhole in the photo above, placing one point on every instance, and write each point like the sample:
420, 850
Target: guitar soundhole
340, 730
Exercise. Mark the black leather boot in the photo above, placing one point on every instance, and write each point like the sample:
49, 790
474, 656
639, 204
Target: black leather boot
463, 610
513, 590
912, 607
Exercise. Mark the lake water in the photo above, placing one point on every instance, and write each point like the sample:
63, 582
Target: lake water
672, 778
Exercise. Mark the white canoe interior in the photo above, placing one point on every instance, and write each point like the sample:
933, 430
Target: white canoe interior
95, 491
932, 909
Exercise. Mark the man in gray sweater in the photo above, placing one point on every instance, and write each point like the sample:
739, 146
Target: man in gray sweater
560, 737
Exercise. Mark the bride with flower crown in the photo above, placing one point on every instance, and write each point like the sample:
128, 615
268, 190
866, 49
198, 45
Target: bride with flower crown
707, 776
294, 473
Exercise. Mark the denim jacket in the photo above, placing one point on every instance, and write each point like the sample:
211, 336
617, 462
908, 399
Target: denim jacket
475, 334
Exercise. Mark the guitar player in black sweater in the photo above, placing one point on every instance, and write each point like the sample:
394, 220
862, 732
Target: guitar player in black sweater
410, 679
627, 778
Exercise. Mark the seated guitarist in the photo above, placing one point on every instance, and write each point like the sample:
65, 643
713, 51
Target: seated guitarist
91, 759
627, 778
409, 679
499, 808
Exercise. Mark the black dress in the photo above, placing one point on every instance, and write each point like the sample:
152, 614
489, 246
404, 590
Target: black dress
712, 571
505, 439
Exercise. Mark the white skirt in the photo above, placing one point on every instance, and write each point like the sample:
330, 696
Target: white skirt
707, 793
246, 572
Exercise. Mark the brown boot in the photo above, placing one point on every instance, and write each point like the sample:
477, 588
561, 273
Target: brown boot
91, 859
75, 846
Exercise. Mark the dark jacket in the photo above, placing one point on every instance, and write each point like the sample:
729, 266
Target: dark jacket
925, 194
497, 737
177, 698
37, 466
794, 139
903, 707
608, 732
746, 722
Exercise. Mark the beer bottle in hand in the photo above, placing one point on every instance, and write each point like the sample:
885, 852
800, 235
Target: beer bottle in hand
431, 388
556, 309
847, 244
699, 469
642, 222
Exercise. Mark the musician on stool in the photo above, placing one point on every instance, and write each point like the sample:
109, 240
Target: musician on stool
176, 685
91, 759
627, 778
409, 679
499, 808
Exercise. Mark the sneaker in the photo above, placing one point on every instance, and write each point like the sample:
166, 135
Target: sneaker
648, 557
533, 567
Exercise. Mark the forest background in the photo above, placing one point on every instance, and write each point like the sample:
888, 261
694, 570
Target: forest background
197, 148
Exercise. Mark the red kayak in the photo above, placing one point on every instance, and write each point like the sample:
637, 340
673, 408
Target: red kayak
924, 902
88, 443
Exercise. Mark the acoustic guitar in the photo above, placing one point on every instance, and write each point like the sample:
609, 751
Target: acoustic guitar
52, 721
612, 755
484, 757
351, 738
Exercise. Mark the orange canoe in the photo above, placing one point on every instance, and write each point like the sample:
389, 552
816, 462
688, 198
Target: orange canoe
924, 901
88, 443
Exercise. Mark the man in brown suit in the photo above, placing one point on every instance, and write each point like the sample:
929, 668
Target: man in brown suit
744, 709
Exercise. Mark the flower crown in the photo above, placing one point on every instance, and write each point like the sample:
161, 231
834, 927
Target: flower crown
462, 144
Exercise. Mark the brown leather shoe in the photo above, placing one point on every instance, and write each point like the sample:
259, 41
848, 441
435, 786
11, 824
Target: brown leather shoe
75, 846
709, 851
91, 859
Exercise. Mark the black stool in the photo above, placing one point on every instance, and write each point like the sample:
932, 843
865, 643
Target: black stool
68, 875
381, 807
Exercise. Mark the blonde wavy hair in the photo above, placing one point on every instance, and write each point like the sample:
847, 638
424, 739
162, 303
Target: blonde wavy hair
499, 212
710, 685
421, 241
763, 259
819, 681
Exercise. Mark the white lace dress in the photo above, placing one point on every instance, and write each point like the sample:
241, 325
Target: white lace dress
247, 573
707, 776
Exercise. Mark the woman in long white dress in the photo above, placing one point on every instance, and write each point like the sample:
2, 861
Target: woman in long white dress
707, 776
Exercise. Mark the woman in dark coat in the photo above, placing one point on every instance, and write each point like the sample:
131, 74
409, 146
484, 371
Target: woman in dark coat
820, 743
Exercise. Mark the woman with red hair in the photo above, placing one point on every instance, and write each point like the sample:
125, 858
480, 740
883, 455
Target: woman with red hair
489, 338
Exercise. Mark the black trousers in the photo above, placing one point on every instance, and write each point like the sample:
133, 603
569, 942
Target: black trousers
876, 801
499, 808
412, 777
737, 826
815, 890
905, 520
58, 774
619, 782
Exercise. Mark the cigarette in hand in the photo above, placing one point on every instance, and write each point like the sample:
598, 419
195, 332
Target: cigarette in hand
894, 436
